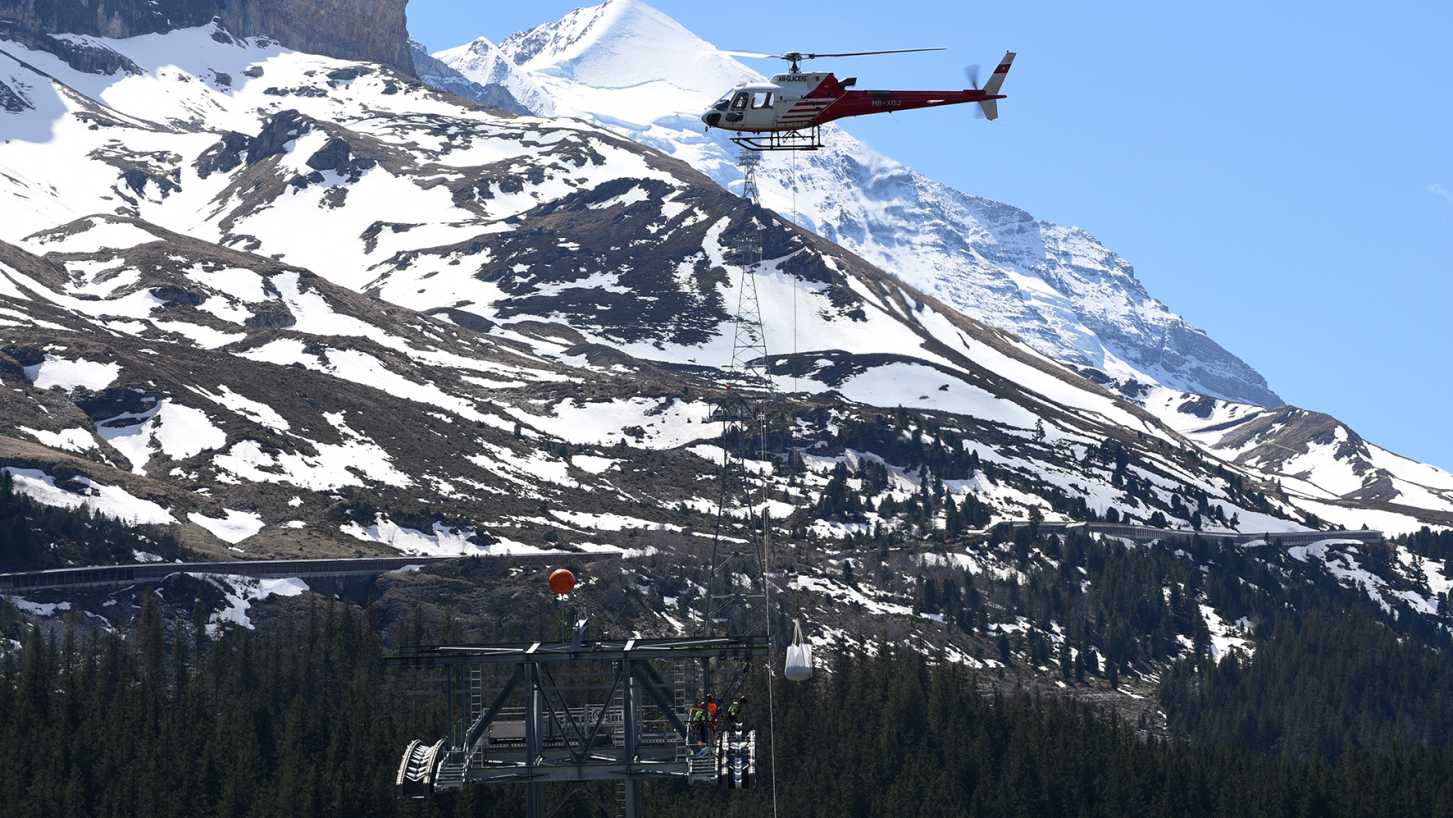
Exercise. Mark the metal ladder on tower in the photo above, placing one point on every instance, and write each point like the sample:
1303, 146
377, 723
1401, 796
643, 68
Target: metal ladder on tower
679, 704
476, 702
450, 774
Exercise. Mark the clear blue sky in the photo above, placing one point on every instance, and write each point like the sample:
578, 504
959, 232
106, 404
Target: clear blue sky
1281, 174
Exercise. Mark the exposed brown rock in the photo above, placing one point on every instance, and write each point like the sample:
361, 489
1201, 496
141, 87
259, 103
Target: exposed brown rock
371, 30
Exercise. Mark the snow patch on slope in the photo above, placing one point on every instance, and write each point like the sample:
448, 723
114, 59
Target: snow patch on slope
177, 431
70, 440
240, 592
68, 374
110, 501
439, 541
233, 527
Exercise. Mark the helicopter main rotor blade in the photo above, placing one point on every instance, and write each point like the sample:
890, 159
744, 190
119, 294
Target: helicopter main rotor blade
871, 53
799, 55
756, 55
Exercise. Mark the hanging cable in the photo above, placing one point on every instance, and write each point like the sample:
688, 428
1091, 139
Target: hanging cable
767, 601
757, 348
796, 220
767, 526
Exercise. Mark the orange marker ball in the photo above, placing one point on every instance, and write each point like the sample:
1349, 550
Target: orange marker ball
562, 581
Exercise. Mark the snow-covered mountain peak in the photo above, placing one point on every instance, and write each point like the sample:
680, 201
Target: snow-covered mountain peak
481, 61
658, 67
479, 47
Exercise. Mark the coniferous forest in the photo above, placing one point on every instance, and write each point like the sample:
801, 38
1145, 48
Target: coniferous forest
303, 720
1341, 710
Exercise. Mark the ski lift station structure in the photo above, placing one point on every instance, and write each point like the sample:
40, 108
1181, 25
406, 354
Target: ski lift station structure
576, 713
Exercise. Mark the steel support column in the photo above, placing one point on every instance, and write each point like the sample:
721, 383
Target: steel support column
629, 742
535, 797
449, 706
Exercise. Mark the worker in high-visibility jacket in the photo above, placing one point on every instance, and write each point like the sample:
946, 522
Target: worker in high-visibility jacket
696, 724
735, 713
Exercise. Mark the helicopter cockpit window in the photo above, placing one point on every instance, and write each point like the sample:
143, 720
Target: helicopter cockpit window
721, 104
762, 99
740, 101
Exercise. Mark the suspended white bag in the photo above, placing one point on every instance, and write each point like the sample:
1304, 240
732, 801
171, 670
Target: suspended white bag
799, 656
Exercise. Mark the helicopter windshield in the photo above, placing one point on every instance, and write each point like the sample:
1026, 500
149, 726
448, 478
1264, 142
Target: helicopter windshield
721, 104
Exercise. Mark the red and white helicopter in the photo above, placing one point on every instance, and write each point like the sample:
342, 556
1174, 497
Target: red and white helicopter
785, 113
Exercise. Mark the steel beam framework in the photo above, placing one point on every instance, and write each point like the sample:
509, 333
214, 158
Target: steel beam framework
567, 712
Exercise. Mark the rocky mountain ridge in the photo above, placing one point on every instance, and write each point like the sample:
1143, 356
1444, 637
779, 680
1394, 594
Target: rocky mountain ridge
372, 30
436, 74
1331, 470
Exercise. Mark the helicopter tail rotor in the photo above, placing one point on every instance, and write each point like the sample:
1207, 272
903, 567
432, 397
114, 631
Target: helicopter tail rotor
972, 72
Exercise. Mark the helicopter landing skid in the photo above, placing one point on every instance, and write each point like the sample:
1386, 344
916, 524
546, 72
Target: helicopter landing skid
781, 141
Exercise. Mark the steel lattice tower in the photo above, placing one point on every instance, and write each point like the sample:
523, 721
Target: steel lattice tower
749, 338
729, 604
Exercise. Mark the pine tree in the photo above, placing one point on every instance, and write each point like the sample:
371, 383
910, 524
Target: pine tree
953, 524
